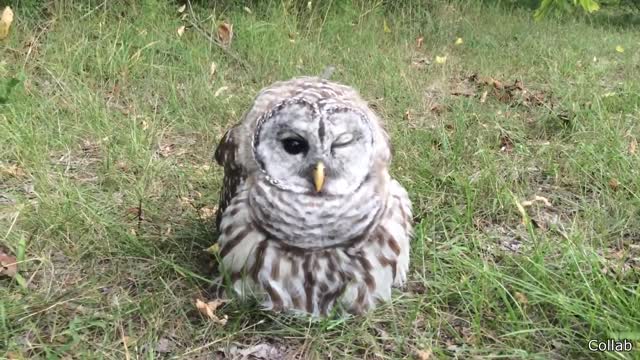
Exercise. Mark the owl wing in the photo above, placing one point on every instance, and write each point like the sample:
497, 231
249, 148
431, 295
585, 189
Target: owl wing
234, 175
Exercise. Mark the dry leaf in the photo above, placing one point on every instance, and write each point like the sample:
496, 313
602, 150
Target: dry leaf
14, 356
163, 346
420, 63
633, 144
225, 33
8, 265
209, 310
459, 41
424, 354
247, 10
419, 41
619, 49
181, 30
135, 212
521, 298
12, 170
5, 22
212, 69
537, 198
219, 91
166, 150
213, 249
259, 352
506, 144
483, 98
182, 8
614, 184
385, 26
207, 213
441, 59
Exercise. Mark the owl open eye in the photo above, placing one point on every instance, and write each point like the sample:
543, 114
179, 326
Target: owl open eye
295, 146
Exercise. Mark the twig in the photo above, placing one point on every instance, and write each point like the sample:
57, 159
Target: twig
124, 344
140, 216
214, 41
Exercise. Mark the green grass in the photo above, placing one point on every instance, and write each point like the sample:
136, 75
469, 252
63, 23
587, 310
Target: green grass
116, 112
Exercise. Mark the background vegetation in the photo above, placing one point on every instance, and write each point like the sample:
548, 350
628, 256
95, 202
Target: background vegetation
516, 139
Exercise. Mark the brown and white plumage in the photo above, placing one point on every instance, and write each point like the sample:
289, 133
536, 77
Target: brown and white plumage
309, 217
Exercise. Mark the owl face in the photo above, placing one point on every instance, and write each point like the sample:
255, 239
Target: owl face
325, 148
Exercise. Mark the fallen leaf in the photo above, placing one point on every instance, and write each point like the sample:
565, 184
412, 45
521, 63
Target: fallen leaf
208, 309
424, 354
521, 298
441, 59
212, 69
181, 30
135, 212
182, 8
633, 144
166, 150
247, 10
619, 49
219, 91
207, 213
385, 26
213, 249
164, 346
14, 356
438, 109
420, 63
506, 144
5, 22
309, 5
8, 265
483, 98
261, 352
537, 198
419, 41
12, 170
614, 184
459, 41
407, 115
225, 33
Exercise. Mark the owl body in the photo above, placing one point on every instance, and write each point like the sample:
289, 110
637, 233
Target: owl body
309, 217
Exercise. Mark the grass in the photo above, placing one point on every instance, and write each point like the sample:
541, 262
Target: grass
115, 113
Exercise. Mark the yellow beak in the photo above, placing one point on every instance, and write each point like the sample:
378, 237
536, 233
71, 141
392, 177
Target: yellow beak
318, 176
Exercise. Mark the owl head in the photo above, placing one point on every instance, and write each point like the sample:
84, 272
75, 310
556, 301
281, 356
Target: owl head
327, 147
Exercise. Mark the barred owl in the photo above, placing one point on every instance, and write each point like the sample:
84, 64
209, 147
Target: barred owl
309, 217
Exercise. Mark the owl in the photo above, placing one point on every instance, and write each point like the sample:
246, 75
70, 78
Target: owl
309, 218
